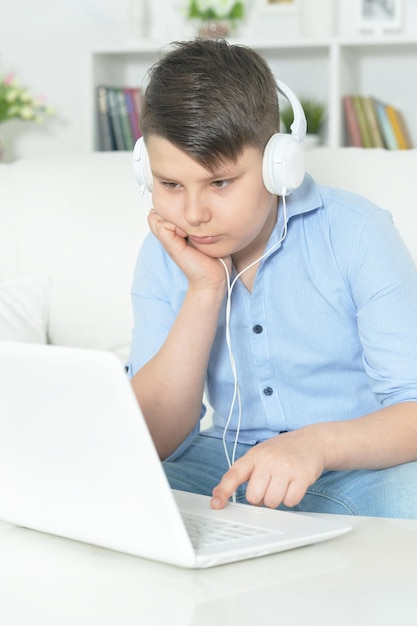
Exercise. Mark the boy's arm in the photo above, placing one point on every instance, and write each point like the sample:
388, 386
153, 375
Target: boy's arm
169, 388
281, 469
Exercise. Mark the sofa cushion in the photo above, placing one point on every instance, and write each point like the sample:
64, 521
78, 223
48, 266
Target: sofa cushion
387, 177
80, 220
24, 305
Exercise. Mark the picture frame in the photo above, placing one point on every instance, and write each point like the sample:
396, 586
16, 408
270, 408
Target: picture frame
280, 6
379, 16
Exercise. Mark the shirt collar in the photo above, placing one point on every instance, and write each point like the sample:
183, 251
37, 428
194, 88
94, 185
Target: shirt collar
302, 200
305, 198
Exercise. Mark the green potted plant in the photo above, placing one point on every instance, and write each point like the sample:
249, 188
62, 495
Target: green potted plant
216, 18
315, 112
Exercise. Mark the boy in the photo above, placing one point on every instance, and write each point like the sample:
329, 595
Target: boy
322, 318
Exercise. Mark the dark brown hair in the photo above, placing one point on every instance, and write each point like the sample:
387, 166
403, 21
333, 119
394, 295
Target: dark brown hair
211, 99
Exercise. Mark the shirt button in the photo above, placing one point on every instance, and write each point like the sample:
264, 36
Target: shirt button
257, 329
268, 391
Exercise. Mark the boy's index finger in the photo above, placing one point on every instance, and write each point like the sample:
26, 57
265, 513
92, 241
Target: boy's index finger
235, 476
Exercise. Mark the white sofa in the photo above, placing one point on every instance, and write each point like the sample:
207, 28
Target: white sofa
71, 227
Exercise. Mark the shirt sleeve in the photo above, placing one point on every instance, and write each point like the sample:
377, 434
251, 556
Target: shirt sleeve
158, 290
383, 282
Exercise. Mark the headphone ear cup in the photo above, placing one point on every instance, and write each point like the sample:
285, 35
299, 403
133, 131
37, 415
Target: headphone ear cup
141, 166
284, 164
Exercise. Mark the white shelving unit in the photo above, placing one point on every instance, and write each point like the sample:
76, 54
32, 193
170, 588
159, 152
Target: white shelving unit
384, 67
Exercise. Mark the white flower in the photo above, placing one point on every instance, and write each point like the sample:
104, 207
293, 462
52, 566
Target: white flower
11, 95
27, 113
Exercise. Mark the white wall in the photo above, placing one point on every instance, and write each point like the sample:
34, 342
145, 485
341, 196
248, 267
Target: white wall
47, 44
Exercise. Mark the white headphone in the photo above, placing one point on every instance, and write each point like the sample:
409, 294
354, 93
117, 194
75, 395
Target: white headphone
283, 165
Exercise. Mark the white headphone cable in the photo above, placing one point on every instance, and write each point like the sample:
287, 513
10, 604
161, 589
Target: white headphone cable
236, 390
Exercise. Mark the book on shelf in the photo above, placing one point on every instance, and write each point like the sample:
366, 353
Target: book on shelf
371, 117
398, 126
105, 128
371, 123
385, 126
351, 121
362, 121
118, 110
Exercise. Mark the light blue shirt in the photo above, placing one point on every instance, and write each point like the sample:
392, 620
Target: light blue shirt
328, 333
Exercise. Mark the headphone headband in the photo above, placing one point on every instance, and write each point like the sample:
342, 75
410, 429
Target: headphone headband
299, 126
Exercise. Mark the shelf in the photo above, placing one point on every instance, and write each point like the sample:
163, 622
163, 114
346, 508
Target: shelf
380, 66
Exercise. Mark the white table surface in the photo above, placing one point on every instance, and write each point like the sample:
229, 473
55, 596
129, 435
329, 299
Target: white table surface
368, 576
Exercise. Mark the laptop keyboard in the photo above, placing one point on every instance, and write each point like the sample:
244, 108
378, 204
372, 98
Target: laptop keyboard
208, 532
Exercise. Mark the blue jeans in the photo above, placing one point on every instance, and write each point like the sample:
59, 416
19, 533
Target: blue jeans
388, 492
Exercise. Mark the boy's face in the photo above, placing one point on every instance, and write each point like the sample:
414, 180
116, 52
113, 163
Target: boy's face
223, 212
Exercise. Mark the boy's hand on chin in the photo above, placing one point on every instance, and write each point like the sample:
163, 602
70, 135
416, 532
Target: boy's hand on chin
169, 235
201, 270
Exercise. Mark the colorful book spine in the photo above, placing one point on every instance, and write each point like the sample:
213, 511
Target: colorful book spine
398, 127
118, 114
363, 122
352, 126
123, 113
372, 122
113, 104
105, 130
387, 131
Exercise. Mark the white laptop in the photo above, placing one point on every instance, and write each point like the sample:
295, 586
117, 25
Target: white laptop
77, 461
